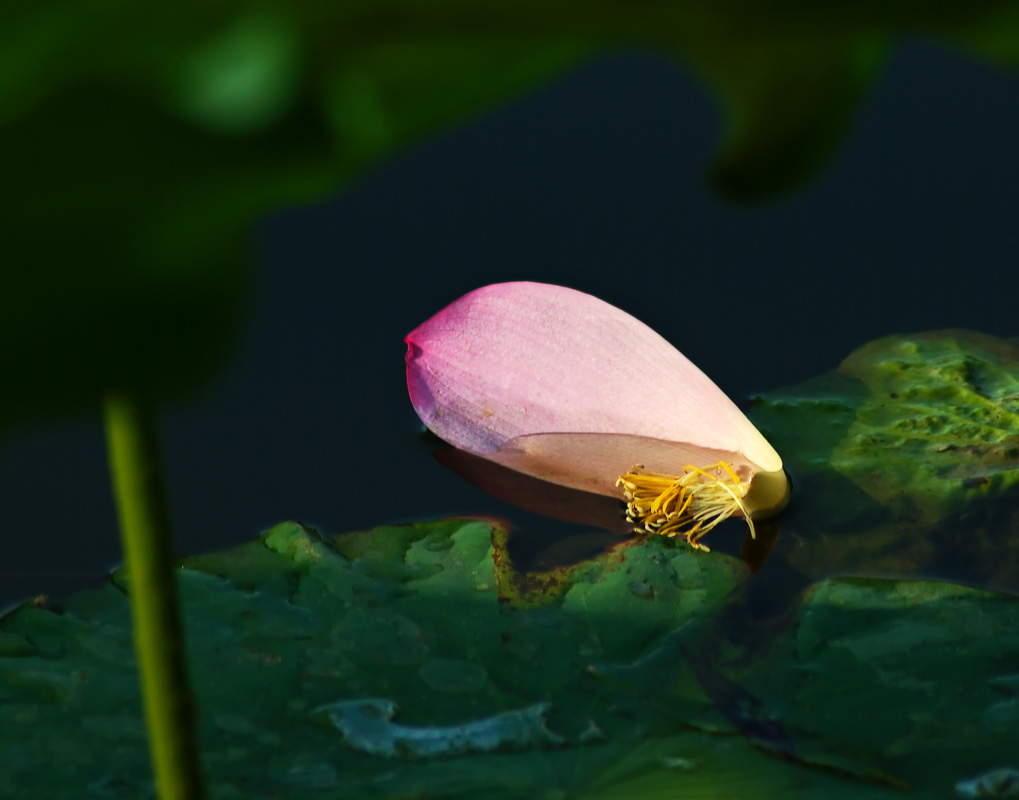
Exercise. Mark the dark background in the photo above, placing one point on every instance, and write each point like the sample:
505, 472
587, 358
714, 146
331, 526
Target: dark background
596, 182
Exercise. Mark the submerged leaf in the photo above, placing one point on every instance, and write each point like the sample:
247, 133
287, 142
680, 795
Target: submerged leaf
366, 726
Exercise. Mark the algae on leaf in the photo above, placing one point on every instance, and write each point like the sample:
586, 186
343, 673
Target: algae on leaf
923, 424
941, 424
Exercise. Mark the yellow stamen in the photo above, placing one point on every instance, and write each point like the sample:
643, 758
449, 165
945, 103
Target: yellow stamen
687, 505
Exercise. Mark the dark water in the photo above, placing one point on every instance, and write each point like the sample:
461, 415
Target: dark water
597, 183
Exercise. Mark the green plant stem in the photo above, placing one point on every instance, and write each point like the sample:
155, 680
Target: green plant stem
133, 442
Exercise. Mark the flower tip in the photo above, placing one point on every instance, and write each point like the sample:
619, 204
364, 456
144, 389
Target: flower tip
421, 396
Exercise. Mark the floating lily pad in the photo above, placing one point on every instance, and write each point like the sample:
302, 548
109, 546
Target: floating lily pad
904, 459
940, 427
923, 424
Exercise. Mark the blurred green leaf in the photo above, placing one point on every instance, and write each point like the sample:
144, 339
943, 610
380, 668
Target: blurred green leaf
142, 143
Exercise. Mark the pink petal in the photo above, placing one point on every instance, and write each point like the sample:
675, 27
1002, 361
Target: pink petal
537, 361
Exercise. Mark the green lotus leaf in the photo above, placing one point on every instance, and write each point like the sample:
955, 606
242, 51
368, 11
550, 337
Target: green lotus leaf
145, 146
328, 663
904, 460
940, 427
896, 684
909, 676
408, 661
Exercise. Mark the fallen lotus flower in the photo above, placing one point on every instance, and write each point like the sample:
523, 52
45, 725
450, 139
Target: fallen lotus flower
560, 385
